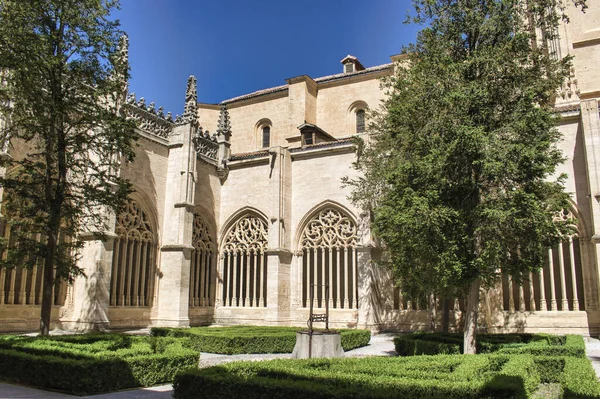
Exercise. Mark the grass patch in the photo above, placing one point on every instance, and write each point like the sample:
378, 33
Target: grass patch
251, 339
92, 363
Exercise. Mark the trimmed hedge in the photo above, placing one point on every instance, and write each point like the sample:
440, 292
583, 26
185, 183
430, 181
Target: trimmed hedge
487, 376
251, 339
534, 344
92, 364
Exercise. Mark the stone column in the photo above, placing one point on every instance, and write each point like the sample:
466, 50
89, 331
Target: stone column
590, 127
92, 292
370, 305
364, 268
176, 251
278, 285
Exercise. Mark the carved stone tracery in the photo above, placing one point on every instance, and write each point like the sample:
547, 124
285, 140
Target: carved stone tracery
201, 238
248, 235
329, 229
133, 223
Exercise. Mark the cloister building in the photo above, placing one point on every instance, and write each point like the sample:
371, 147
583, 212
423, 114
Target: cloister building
239, 209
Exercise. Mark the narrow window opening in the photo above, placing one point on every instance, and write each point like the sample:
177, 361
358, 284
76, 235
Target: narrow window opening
266, 137
360, 121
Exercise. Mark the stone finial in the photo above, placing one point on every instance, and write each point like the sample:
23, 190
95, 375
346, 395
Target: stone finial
224, 127
131, 98
190, 112
123, 48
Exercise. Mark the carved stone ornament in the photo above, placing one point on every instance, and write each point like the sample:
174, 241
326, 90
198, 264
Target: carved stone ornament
201, 238
329, 229
190, 113
133, 224
146, 118
205, 144
248, 235
224, 127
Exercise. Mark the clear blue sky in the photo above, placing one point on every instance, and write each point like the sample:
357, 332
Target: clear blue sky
235, 47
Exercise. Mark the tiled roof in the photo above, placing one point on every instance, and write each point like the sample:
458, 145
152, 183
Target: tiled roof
347, 75
248, 155
318, 80
256, 94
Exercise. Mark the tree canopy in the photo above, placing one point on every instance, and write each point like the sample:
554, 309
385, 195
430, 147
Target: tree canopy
64, 70
459, 169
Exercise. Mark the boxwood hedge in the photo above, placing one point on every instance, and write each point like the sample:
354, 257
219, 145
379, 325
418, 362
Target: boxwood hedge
251, 339
535, 344
440, 376
91, 364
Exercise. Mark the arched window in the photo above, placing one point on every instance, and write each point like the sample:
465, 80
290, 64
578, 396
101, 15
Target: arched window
360, 121
134, 259
201, 265
266, 137
245, 263
329, 260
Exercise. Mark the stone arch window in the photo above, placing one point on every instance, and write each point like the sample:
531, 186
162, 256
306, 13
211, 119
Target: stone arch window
328, 251
19, 286
558, 285
357, 117
244, 263
360, 121
201, 280
134, 259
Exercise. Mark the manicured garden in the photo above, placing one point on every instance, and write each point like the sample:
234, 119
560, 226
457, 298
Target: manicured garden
92, 363
509, 366
97, 363
251, 339
430, 365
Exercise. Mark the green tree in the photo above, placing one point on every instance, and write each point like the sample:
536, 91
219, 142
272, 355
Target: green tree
460, 164
63, 80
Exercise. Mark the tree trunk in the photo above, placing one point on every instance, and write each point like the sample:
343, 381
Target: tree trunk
47, 287
432, 313
471, 319
445, 315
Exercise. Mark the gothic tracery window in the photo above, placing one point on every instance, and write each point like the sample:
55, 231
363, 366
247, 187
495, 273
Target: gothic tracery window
134, 259
201, 264
244, 263
329, 260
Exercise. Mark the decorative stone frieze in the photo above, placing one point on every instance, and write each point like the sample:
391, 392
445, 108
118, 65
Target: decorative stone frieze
148, 118
206, 144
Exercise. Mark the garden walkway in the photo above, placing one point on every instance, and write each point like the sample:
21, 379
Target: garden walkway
380, 345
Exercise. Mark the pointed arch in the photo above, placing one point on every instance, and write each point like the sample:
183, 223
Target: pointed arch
203, 259
314, 211
326, 242
244, 241
133, 275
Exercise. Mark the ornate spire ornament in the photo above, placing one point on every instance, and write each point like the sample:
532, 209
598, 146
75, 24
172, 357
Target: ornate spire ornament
121, 63
224, 127
190, 113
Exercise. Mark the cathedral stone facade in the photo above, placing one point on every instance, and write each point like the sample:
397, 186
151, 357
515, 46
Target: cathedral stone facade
239, 210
